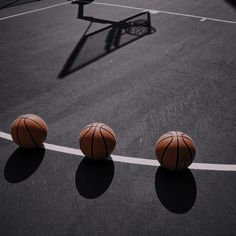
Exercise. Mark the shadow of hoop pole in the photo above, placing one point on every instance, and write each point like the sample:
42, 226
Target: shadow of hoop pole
95, 45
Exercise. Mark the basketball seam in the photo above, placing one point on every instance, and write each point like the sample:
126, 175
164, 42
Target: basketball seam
177, 158
186, 138
163, 154
92, 142
15, 121
17, 133
108, 131
189, 149
38, 125
163, 140
30, 134
84, 136
170, 133
88, 126
104, 141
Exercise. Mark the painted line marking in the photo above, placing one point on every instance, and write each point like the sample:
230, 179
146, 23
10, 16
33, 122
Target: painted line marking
130, 160
166, 12
36, 10
198, 17
152, 11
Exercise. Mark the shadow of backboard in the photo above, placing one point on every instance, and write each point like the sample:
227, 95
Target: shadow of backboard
95, 45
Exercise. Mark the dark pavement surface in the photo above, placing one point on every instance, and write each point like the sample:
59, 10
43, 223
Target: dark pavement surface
180, 77
122, 200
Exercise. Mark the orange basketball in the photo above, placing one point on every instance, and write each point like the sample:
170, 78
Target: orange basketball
29, 131
97, 141
175, 151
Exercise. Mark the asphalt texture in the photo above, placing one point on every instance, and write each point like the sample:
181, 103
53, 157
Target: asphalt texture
73, 69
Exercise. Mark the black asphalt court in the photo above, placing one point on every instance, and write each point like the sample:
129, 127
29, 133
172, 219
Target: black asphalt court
144, 68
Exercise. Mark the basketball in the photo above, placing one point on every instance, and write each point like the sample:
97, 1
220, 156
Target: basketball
29, 131
97, 141
175, 151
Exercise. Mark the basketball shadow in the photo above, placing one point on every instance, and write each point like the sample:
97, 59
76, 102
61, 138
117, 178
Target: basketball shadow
22, 164
94, 177
95, 45
176, 191
232, 3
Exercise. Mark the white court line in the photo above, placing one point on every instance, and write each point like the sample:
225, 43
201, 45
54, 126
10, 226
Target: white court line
131, 160
152, 11
127, 7
28, 12
165, 12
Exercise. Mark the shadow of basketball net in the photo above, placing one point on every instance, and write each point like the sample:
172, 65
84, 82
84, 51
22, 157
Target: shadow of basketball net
176, 191
95, 45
